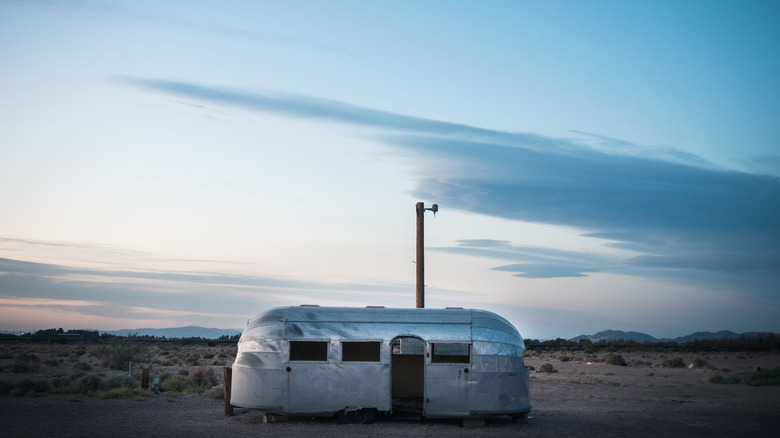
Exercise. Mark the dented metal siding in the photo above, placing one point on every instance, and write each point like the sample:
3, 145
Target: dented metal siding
494, 382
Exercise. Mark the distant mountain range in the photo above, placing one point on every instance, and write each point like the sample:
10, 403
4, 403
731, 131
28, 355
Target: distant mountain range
612, 335
177, 332
606, 335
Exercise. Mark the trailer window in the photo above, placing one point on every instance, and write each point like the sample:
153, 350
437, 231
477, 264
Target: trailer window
360, 351
408, 346
451, 353
309, 350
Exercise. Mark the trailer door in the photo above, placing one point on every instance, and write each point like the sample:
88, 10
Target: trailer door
448, 380
408, 375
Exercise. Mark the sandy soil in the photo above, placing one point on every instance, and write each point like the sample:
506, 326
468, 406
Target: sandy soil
582, 398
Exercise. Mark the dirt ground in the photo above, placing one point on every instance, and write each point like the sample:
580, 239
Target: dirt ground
582, 398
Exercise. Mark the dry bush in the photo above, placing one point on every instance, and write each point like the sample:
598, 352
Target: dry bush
677, 362
718, 379
216, 392
205, 376
25, 362
30, 388
120, 351
174, 384
89, 383
124, 392
546, 368
82, 366
614, 359
193, 359
764, 377
5, 387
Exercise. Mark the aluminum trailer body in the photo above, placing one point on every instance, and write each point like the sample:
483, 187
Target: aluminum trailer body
434, 363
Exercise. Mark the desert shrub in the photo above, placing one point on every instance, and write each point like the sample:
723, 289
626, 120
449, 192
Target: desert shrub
192, 359
204, 376
167, 363
211, 344
119, 352
51, 362
614, 359
59, 382
6, 355
546, 368
119, 381
208, 355
90, 383
30, 387
25, 362
699, 363
124, 392
5, 387
764, 378
82, 366
174, 384
216, 392
564, 358
184, 372
677, 362
718, 379
64, 385
219, 363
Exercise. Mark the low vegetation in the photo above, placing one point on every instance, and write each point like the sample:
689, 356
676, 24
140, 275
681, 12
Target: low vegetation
764, 342
760, 377
615, 359
99, 367
546, 368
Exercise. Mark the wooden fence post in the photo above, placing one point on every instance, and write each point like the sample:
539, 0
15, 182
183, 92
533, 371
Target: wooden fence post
227, 374
145, 379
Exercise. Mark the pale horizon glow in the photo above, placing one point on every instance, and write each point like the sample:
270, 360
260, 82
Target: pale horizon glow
597, 165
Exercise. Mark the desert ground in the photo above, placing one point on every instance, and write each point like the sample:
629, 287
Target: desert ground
583, 396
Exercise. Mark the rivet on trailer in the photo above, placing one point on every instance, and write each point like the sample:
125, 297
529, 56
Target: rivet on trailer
358, 363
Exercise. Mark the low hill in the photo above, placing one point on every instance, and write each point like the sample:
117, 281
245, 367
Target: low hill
613, 335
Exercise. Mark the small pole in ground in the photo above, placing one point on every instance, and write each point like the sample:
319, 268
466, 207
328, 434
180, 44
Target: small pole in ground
145, 379
227, 373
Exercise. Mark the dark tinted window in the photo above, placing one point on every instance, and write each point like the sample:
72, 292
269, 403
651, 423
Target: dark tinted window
309, 350
451, 353
360, 351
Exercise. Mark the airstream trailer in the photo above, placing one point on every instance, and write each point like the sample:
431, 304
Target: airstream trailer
357, 362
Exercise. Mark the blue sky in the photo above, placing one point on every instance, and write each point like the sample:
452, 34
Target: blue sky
598, 165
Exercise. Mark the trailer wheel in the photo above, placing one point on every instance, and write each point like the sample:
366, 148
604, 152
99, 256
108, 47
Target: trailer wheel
360, 416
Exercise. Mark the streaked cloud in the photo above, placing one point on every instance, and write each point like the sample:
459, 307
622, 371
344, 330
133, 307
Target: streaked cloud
196, 297
678, 212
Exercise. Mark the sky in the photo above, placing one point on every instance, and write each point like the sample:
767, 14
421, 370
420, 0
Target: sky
597, 165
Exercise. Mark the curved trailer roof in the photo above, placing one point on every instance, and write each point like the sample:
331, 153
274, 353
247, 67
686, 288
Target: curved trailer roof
490, 333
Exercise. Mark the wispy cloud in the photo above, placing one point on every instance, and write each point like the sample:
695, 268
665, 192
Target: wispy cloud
196, 296
680, 213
